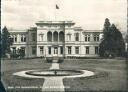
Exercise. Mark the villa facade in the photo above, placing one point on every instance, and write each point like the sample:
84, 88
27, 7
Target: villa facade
56, 38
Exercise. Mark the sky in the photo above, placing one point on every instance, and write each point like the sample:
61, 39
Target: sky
89, 14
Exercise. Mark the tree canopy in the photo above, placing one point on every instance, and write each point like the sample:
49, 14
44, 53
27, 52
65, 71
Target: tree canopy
6, 41
112, 43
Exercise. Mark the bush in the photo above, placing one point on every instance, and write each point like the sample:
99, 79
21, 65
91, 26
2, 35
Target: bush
61, 60
49, 60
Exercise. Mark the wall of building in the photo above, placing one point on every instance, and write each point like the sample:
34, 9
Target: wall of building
68, 29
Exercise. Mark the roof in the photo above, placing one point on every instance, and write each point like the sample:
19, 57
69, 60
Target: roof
17, 31
92, 30
54, 22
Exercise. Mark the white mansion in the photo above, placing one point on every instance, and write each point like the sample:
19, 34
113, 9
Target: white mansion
56, 38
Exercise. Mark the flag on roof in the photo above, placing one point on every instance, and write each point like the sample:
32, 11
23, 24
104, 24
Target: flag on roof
57, 7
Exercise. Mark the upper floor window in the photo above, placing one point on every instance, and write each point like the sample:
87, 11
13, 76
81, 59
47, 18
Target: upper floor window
87, 38
69, 25
23, 38
61, 36
49, 36
15, 38
69, 49
12, 38
41, 37
96, 37
33, 36
77, 50
76, 36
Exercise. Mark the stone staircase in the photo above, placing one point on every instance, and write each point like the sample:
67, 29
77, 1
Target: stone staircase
55, 59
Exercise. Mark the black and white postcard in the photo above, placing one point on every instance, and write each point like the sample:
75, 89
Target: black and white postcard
64, 45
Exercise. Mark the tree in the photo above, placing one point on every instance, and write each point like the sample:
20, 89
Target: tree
21, 53
6, 41
126, 38
112, 43
126, 41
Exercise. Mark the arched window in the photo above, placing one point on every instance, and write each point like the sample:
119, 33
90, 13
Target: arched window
61, 36
49, 36
55, 36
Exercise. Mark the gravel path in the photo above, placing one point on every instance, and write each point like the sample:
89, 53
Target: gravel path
55, 66
53, 83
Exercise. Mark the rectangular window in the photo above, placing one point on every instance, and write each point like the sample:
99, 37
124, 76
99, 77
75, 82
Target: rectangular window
23, 38
77, 50
33, 37
23, 49
87, 49
69, 50
14, 50
12, 39
96, 50
33, 50
76, 36
96, 38
49, 50
15, 38
61, 50
41, 50
87, 38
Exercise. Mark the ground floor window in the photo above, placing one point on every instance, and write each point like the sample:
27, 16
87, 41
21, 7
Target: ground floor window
61, 50
14, 50
49, 50
87, 49
41, 50
69, 50
33, 50
96, 49
23, 49
77, 50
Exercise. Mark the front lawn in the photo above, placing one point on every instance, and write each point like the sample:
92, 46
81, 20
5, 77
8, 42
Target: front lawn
11, 66
111, 75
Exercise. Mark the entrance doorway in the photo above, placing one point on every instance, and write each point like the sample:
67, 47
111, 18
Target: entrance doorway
55, 51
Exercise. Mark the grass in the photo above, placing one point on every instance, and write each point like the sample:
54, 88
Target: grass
110, 75
11, 66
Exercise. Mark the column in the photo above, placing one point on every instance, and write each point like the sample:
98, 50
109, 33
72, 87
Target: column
18, 38
58, 50
58, 36
126, 46
91, 37
52, 36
